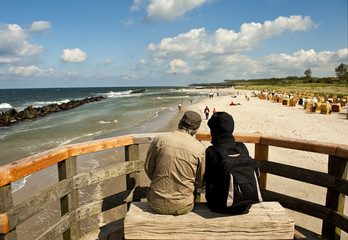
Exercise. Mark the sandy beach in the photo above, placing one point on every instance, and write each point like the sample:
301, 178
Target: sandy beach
271, 118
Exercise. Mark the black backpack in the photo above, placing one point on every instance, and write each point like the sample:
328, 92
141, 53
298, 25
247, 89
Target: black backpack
235, 185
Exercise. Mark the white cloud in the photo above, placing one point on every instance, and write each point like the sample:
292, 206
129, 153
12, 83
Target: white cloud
166, 9
139, 65
179, 66
171, 9
137, 4
29, 71
343, 54
107, 61
198, 44
73, 55
14, 45
39, 26
240, 66
72, 73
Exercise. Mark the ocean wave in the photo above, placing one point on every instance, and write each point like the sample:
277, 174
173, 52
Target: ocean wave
82, 136
44, 103
113, 94
16, 185
5, 105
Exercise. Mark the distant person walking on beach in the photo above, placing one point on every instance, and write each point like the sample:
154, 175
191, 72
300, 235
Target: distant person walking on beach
214, 111
175, 165
179, 106
206, 112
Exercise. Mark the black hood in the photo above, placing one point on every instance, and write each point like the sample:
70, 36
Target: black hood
221, 126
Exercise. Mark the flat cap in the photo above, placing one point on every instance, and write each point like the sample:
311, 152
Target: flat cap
191, 120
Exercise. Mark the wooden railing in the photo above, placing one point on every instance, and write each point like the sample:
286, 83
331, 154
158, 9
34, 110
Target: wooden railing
70, 181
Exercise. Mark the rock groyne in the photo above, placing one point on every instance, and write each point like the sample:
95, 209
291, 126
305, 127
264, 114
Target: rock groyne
12, 116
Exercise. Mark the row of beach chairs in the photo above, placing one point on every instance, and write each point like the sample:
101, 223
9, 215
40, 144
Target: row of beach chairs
310, 102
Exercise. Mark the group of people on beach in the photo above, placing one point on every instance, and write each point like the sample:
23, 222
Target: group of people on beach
179, 166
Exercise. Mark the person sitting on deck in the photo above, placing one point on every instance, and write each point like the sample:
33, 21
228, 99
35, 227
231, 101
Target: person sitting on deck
175, 165
221, 126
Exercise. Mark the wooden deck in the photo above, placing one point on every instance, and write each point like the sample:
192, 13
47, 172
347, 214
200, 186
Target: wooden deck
266, 220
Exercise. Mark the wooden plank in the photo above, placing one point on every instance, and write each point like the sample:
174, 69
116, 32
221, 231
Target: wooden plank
57, 229
146, 138
25, 210
261, 154
300, 144
203, 136
337, 167
132, 179
21, 168
308, 208
266, 220
67, 169
246, 138
341, 185
4, 225
99, 145
6, 205
110, 231
26, 166
296, 173
342, 151
103, 174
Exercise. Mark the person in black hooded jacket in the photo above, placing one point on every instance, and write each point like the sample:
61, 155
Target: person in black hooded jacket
221, 126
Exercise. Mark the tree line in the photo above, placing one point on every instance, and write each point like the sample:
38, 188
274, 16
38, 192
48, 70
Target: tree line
341, 74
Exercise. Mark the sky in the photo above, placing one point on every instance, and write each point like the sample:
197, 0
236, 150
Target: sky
114, 43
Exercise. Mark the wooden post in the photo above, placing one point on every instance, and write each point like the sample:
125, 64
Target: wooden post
334, 200
6, 204
132, 179
68, 169
261, 153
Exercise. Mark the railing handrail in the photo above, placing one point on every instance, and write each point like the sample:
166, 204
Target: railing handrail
26, 166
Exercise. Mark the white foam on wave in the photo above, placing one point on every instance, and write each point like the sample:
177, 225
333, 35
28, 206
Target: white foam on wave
5, 105
44, 103
113, 94
16, 185
82, 136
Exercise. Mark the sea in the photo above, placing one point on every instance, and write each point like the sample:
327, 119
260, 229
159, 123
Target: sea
121, 113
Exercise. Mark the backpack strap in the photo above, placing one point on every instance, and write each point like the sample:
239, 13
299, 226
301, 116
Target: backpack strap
222, 152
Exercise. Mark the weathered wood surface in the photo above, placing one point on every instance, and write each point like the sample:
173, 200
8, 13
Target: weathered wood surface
308, 208
246, 138
21, 168
12, 216
337, 167
6, 204
300, 144
266, 220
23, 211
261, 154
4, 225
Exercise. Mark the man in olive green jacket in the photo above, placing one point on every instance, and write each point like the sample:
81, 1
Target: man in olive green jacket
175, 165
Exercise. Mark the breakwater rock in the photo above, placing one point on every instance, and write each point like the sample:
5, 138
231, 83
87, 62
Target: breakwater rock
12, 116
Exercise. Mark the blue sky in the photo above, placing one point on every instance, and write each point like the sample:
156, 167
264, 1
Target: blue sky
91, 43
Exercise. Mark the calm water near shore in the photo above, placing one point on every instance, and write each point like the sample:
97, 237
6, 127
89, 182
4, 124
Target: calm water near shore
121, 113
